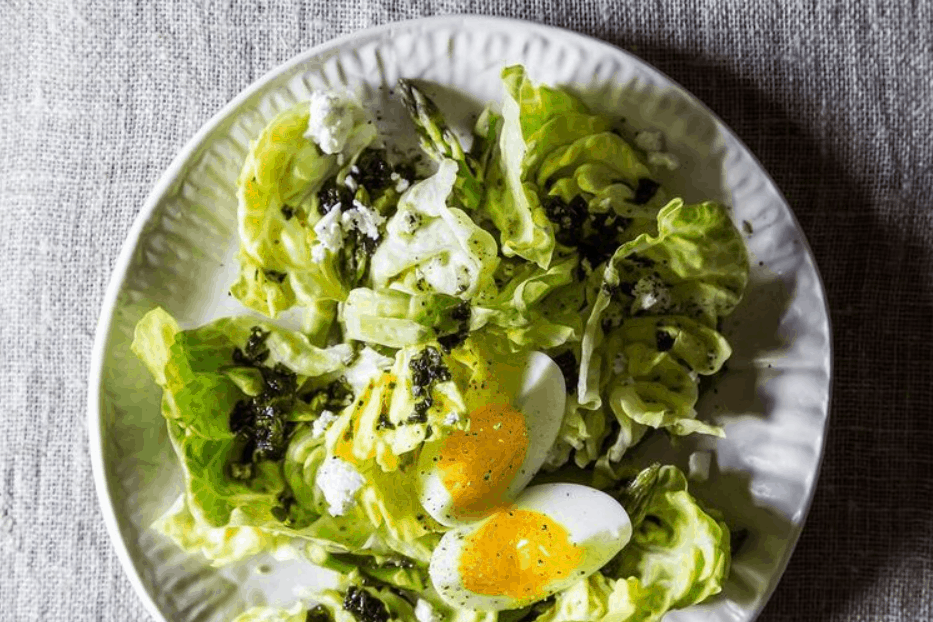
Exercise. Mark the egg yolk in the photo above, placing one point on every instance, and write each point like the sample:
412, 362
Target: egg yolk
477, 465
518, 554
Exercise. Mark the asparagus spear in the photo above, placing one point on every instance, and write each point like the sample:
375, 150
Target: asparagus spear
440, 143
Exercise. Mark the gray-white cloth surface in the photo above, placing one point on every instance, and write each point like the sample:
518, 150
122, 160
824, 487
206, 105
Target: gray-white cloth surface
835, 98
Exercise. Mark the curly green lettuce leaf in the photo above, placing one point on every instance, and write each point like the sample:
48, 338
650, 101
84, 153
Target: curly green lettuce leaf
678, 552
511, 201
533, 309
538, 308
678, 556
653, 376
280, 175
696, 266
584, 431
383, 519
297, 612
220, 545
216, 498
564, 174
431, 247
397, 319
278, 188
203, 382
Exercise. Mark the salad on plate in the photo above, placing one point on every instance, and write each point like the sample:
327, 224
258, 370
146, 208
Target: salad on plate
484, 332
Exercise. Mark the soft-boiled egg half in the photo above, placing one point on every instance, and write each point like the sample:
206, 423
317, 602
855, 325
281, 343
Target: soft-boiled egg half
515, 412
551, 537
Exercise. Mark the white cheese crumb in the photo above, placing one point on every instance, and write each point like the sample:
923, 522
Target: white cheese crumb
350, 183
339, 482
649, 140
662, 159
652, 142
368, 365
344, 352
401, 184
329, 233
323, 422
364, 219
331, 121
698, 465
452, 418
651, 294
424, 612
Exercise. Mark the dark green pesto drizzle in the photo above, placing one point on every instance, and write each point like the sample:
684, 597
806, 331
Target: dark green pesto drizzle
259, 421
364, 606
319, 614
461, 315
427, 368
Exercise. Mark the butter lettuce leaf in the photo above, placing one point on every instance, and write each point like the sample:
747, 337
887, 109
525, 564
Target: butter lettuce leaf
564, 175
531, 309
432, 247
297, 612
679, 553
202, 383
696, 266
283, 169
652, 378
396, 319
220, 545
346, 602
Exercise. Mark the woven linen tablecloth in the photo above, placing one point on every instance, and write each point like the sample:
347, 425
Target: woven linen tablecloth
835, 98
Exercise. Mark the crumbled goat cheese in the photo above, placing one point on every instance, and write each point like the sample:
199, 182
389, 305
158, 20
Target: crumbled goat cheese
339, 482
652, 142
401, 184
364, 219
330, 122
350, 182
344, 352
662, 159
452, 418
649, 140
323, 422
698, 465
424, 612
651, 294
329, 233
368, 365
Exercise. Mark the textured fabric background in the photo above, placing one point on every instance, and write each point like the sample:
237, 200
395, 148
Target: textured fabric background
836, 99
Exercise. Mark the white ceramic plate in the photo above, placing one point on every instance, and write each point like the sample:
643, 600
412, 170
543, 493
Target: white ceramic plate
773, 401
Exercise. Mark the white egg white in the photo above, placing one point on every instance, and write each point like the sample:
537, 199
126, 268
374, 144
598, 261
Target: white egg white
538, 391
594, 521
